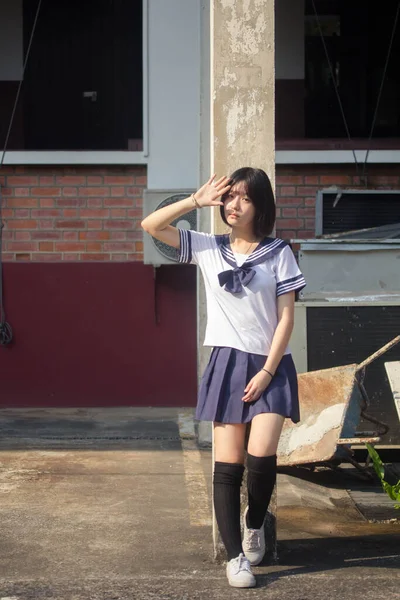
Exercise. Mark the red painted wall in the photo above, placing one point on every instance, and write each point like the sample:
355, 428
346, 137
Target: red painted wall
85, 334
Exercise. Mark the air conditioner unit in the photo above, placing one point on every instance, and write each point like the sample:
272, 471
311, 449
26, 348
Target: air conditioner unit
155, 252
338, 210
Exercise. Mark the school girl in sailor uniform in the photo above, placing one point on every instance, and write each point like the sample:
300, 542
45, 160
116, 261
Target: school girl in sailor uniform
250, 281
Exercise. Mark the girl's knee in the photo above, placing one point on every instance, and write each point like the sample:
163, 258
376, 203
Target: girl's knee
226, 456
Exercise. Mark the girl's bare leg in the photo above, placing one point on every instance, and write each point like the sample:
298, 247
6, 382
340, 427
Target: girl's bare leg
264, 434
229, 442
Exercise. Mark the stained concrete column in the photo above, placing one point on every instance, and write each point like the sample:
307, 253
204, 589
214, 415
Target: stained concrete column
242, 78
242, 86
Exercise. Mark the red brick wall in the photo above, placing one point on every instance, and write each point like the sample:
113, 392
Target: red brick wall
297, 187
93, 213
72, 214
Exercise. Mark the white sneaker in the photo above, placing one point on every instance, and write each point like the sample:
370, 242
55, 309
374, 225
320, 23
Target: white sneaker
239, 573
253, 542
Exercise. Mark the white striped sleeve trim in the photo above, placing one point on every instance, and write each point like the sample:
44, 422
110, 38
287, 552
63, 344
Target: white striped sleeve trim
290, 285
185, 246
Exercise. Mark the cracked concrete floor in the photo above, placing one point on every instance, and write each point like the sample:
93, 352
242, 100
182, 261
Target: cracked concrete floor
130, 519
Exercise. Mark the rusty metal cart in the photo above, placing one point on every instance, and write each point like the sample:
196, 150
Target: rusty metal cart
332, 402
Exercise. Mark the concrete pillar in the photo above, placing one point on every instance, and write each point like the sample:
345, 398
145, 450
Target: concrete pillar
205, 170
242, 104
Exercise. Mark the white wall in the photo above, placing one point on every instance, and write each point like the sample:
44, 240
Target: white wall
289, 39
11, 49
174, 93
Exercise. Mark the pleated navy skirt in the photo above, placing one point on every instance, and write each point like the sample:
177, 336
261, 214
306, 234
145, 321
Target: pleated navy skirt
225, 378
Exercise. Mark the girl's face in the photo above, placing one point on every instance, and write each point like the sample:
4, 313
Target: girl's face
238, 208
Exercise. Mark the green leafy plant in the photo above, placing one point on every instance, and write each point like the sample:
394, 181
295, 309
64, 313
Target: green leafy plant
393, 491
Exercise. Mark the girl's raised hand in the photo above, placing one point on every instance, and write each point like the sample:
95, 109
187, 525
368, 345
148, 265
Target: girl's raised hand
210, 193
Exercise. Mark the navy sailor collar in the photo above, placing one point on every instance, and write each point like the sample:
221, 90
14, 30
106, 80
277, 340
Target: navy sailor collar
267, 248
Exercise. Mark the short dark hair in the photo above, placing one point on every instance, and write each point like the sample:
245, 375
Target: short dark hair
259, 190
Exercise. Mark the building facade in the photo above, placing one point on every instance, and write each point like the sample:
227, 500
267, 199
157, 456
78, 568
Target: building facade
114, 110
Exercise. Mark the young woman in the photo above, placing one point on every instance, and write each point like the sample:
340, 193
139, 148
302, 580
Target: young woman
250, 282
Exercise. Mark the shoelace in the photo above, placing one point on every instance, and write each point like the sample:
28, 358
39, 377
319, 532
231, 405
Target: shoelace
242, 563
253, 539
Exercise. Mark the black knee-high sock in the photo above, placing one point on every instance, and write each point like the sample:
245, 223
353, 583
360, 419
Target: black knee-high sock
261, 478
227, 482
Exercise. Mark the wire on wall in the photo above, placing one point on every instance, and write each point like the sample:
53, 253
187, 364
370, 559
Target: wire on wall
363, 176
20, 84
6, 334
5, 328
389, 52
335, 86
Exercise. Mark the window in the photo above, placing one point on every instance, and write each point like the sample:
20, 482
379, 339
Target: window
82, 88
357, 36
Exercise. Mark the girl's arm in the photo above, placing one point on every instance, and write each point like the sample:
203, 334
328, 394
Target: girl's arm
158, 223
283, 331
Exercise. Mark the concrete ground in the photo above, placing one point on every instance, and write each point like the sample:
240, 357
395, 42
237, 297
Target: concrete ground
115, 505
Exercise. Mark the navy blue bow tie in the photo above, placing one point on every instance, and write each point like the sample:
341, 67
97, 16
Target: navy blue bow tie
235, 279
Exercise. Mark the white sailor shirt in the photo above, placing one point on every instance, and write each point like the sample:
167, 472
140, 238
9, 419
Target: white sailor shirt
241, 298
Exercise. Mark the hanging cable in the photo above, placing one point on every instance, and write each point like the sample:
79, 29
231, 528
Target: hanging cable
5, 328
381, 88
335, 86
20, 84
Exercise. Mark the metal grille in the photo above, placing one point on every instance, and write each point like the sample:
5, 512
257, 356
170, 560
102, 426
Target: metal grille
64, 430
358, 211
188, 221
89, 438
345, 335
